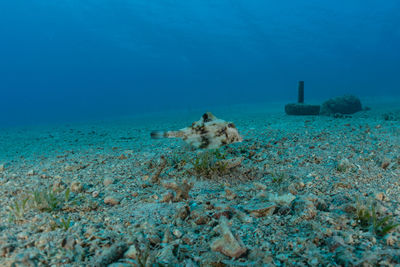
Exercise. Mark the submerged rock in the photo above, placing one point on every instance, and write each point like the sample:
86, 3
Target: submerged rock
260, 209
227, 244
111, 254
347, 104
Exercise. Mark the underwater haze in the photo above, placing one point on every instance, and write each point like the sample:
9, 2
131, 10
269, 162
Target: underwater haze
81, 59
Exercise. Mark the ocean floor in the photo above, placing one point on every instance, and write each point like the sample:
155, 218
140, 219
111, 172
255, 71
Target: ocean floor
304, 191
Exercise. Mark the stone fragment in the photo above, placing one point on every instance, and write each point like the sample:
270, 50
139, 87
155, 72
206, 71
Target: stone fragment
132, 252
260, 209
181, 190
199, 217
167, 197
344, 165
112, 200
390, 240
166, 256
31, 173
282, 200
183, 212
305, 208
108, 181
122, 157
335, 242
229, 194
76, 187
380, 196
111, 254
232, 163
227, 243
260, 186
177, 233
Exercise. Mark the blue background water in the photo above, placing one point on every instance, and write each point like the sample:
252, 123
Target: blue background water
75, 59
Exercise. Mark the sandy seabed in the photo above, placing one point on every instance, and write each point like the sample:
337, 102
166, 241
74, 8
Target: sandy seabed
304, 191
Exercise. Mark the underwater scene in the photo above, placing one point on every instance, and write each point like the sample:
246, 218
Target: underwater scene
199, 133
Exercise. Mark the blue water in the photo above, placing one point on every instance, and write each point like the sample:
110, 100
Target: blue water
69, 60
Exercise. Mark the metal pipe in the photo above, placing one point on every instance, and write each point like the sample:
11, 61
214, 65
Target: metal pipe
300, 98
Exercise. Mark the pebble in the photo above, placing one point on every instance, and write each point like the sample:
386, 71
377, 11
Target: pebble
109, 255
31, 173
227, 243
177, 233
229, 194
335, 242
380, 196
23, 235
112, 200
108, 181
260, 209
282, 200
344, 164
95, 194
131, 253
390, 240
76, 187
260, 186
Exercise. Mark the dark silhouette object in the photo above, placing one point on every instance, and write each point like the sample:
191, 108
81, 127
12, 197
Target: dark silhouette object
347, 104
300, 98
300, 108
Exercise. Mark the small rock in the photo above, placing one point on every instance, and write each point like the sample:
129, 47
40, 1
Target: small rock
344, 165
349, 239
177, 233
284, 210
229, 194
111, 254
23, 235
2, 168
305, 208
335, 242
167, 238
59, 185
181, 190
31, 173
385, 165
166, 256
380, 196
112, 200
243, 217
122, 156
68, 243
131, 253
183, 212
282, 199
390, 240
260, 186
167, 197
260, 209
108, 181
95, 194
76, 187
227, 244
199, 217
